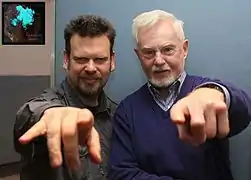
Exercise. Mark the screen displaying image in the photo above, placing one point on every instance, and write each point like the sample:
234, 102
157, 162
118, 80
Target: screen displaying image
23, 23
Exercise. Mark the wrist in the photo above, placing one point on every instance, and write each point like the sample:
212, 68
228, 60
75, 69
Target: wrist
215, 88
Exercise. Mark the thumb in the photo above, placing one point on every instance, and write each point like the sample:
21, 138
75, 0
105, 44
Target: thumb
39, 129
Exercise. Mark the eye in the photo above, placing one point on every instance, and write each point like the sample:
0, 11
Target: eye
100, 59
148, 53
81, 60
168, 50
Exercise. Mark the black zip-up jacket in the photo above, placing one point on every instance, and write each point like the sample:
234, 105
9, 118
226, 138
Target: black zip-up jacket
34, 155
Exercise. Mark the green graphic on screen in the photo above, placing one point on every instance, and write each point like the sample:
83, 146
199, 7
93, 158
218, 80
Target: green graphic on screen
25, 17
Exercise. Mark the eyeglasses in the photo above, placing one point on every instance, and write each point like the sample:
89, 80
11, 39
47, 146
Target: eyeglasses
150, 53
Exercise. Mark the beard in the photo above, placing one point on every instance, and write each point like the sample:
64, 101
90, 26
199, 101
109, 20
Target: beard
87, 84
87, 91
90, 89
162, 83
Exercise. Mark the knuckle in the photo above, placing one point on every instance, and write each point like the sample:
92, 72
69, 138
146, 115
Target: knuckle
68, 132
53, 131
210, 104
52, 134
47, 113
198, 123
87, 112
85, 115
211, 134
50, 111
44, 129
223, 106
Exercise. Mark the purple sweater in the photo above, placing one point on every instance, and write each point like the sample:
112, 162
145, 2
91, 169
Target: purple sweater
145, 143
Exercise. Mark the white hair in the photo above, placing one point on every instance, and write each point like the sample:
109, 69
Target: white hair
151, 17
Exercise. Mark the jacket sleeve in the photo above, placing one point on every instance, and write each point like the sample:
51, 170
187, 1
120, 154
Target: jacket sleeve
239, 105
34, 155
123, 163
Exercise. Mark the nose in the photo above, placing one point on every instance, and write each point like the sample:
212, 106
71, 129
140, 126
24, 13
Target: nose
159, 61
90, 67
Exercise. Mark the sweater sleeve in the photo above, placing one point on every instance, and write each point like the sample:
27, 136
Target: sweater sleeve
123, 163
239, 109
239, 105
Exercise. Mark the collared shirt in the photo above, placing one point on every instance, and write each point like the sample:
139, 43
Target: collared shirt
167, 100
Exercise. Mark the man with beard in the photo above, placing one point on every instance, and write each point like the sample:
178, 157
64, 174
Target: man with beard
175, 127
50, 127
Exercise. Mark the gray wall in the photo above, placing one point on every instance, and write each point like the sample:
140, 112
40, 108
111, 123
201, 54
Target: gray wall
220, 46
15, 90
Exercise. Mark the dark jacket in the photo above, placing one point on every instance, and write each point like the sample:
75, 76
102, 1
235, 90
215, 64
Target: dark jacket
35, 155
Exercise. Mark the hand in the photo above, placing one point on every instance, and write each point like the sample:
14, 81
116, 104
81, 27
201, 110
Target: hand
201, 115
72, 126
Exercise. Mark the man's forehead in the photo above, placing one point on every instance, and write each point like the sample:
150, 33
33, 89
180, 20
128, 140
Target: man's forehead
77, 41
158, 40
84, 46
89, 51
162, 32
158, 45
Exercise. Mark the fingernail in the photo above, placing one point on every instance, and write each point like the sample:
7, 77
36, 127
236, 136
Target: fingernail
55, 163
97, 159
22, 140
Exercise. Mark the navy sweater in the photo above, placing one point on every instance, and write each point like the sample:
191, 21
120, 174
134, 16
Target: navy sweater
145, 143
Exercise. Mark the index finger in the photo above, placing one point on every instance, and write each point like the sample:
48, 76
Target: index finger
39, 129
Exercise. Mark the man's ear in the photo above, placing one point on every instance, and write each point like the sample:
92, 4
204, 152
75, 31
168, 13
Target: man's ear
66, 60
185, 48
136, 51
113, 63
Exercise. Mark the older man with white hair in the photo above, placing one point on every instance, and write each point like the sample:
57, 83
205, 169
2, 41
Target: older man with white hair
175, 127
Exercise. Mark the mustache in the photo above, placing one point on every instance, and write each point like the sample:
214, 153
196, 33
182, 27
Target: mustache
159, 69
90, 77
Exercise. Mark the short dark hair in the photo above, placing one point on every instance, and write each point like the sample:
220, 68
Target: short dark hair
89, 26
